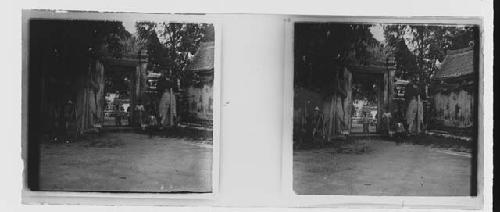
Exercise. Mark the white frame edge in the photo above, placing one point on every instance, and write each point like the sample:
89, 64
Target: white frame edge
360, 201
108, 198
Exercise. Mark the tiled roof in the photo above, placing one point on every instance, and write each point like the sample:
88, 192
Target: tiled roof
203, 58
456, 63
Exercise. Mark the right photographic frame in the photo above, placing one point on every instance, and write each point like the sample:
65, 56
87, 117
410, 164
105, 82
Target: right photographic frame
384, 107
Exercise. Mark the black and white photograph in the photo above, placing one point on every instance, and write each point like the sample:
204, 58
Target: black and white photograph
124, 104
348, 106
385, 109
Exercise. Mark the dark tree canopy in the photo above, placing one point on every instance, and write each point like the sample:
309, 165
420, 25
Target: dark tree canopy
60, 50
322, 49
96, 38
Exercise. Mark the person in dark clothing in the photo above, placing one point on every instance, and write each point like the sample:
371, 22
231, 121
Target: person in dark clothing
129, 117
317, 122
140, 114
386, 122
366, 123
68, 117
151, 124
119, 114
398, 124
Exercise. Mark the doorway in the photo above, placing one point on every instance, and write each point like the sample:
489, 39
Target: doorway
117, 94
366, 102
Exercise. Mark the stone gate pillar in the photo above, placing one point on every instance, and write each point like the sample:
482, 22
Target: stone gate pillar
391, 68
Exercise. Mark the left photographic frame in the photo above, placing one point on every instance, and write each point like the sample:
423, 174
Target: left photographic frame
120, 104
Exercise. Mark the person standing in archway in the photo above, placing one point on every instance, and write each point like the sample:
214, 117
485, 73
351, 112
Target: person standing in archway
386, 121
139, 108
118, 113
366, 122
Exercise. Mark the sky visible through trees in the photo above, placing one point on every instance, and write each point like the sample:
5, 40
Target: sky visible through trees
170, 45
320, 48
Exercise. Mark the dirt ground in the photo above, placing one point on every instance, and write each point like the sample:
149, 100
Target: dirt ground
127, 162
384, 168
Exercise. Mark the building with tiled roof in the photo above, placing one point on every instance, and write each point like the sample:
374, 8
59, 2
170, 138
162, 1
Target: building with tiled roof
203, 59
198, 97
454, 90
457, 63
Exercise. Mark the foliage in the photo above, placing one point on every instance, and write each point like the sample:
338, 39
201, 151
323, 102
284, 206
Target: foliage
365, 89
76, 37
170, 45
147, 38
322, 49
66, 47
61, 68
417, 48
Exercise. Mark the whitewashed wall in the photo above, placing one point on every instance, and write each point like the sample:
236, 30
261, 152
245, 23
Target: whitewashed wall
445, 104
200, 101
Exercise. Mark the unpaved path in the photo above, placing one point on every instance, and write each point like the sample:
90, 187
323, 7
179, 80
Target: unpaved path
127, 162
385, 169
